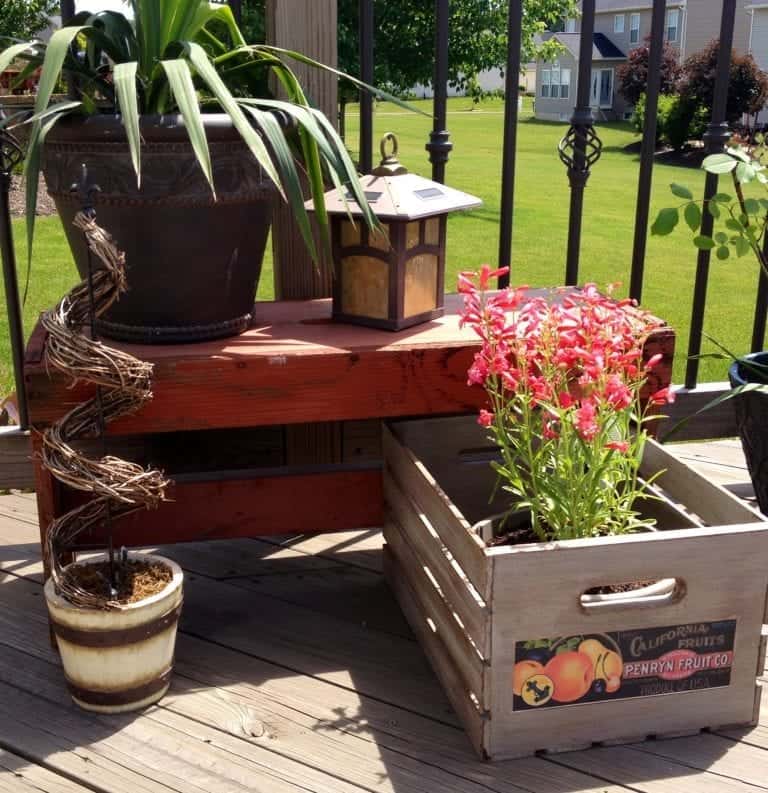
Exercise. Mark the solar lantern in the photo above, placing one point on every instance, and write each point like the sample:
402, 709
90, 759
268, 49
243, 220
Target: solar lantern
392, 277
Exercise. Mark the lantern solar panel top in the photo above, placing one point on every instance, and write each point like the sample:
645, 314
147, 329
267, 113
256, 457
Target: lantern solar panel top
405, 196
392, 277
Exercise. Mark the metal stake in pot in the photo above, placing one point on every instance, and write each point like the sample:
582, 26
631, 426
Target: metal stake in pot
85, 191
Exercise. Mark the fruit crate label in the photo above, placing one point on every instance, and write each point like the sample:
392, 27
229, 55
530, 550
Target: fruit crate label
600, 667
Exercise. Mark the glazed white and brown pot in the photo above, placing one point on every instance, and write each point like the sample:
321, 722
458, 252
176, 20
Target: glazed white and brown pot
118, 660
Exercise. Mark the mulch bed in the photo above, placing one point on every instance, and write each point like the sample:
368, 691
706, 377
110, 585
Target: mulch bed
45, 205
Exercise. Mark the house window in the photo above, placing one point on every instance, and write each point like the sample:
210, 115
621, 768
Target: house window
618, 23
634, 28
570, 25
556, 82
673, 23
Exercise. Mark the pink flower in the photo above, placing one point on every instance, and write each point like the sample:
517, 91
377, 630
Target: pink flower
586, 421
485, 419
618, 446
617, 393
653, 361
486, 274
664, 396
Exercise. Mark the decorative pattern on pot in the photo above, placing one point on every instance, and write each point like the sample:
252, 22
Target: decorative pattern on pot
179, 238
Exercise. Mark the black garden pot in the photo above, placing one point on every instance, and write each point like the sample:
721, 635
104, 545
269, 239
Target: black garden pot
751, 408
193, 262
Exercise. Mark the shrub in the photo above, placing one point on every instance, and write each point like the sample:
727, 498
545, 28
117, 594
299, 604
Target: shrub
632, 76
678, 119
747, 89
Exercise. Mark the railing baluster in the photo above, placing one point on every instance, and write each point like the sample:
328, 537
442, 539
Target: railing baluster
439, 146
761, 305
511, 82
580, 148
715, 138
11, 155
67, 10
648, 150
237, 10
366, 75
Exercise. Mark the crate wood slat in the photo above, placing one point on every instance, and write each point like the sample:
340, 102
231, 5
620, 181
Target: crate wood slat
711, 502
717, 556
429, 552
453, 682
468, 550
469, 663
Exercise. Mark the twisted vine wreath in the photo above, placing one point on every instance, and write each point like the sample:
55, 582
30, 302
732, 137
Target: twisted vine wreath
119, 487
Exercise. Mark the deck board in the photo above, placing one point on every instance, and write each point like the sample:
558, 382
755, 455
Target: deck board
295, 672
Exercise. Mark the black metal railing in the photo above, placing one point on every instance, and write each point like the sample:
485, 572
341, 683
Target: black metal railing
581, 147
579, 150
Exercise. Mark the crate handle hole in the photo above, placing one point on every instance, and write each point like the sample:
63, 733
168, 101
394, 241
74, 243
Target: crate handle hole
662, 592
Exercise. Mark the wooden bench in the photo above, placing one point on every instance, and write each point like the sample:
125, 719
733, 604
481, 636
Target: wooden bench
293, 366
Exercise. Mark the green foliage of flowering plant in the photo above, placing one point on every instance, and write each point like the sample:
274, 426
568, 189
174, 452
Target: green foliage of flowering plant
563, 379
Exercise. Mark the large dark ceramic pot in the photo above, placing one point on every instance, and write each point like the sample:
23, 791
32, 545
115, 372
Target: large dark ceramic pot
751, 408
193, 262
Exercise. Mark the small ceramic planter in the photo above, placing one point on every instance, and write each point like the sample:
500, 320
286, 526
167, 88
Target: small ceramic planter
532, 662
118, 660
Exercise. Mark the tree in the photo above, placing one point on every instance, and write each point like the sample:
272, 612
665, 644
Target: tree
632, 76
252, 24
22, 19
747, 88
405, 38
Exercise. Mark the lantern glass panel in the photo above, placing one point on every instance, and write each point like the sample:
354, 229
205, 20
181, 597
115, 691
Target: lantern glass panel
350, 233
432, 231
420, 284
379, 239
412, 234
365, 286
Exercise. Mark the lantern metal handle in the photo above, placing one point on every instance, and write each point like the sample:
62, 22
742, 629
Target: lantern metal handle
387, 158
389, 165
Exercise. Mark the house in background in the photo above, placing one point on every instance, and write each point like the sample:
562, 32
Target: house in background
620, 26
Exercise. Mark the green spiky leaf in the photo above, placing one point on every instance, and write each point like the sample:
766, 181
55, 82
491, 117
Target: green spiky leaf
183, 89
128, 102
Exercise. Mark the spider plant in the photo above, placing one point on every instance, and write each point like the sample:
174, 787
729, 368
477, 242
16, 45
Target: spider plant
187, 57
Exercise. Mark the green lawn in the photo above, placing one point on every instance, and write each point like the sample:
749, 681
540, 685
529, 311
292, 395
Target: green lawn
541, 223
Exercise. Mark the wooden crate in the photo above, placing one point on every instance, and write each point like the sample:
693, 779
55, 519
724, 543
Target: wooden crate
688, 656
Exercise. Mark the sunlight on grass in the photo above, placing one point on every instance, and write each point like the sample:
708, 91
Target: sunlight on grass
540, 231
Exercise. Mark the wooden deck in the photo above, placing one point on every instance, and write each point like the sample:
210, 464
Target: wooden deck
296, 672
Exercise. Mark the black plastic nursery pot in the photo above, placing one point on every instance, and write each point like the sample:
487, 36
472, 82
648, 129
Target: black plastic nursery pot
751, 408
193, 260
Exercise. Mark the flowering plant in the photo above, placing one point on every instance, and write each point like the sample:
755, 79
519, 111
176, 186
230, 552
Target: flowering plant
563, 380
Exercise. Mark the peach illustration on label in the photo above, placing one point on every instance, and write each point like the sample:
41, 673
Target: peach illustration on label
572, 674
